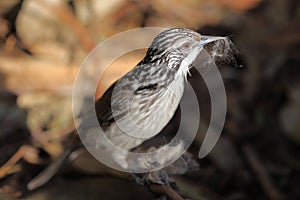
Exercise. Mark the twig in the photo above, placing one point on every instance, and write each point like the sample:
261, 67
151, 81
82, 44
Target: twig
166, 190
261, 174
9, 165
10, 43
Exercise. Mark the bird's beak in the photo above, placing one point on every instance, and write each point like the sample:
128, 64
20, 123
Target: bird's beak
208, 39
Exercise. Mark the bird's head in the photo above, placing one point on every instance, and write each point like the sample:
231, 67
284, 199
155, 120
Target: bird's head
177, 48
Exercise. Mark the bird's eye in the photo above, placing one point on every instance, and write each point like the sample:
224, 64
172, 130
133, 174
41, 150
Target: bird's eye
186, 45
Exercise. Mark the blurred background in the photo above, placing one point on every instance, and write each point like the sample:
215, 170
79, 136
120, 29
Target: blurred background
43, 43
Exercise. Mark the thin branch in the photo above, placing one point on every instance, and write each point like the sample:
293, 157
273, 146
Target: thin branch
261, 174
9, 166
166, 190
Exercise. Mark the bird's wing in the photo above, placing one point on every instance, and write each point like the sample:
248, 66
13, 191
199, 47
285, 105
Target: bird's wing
103, 107
106, 115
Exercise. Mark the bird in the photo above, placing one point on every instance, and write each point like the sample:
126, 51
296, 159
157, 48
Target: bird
141, 103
